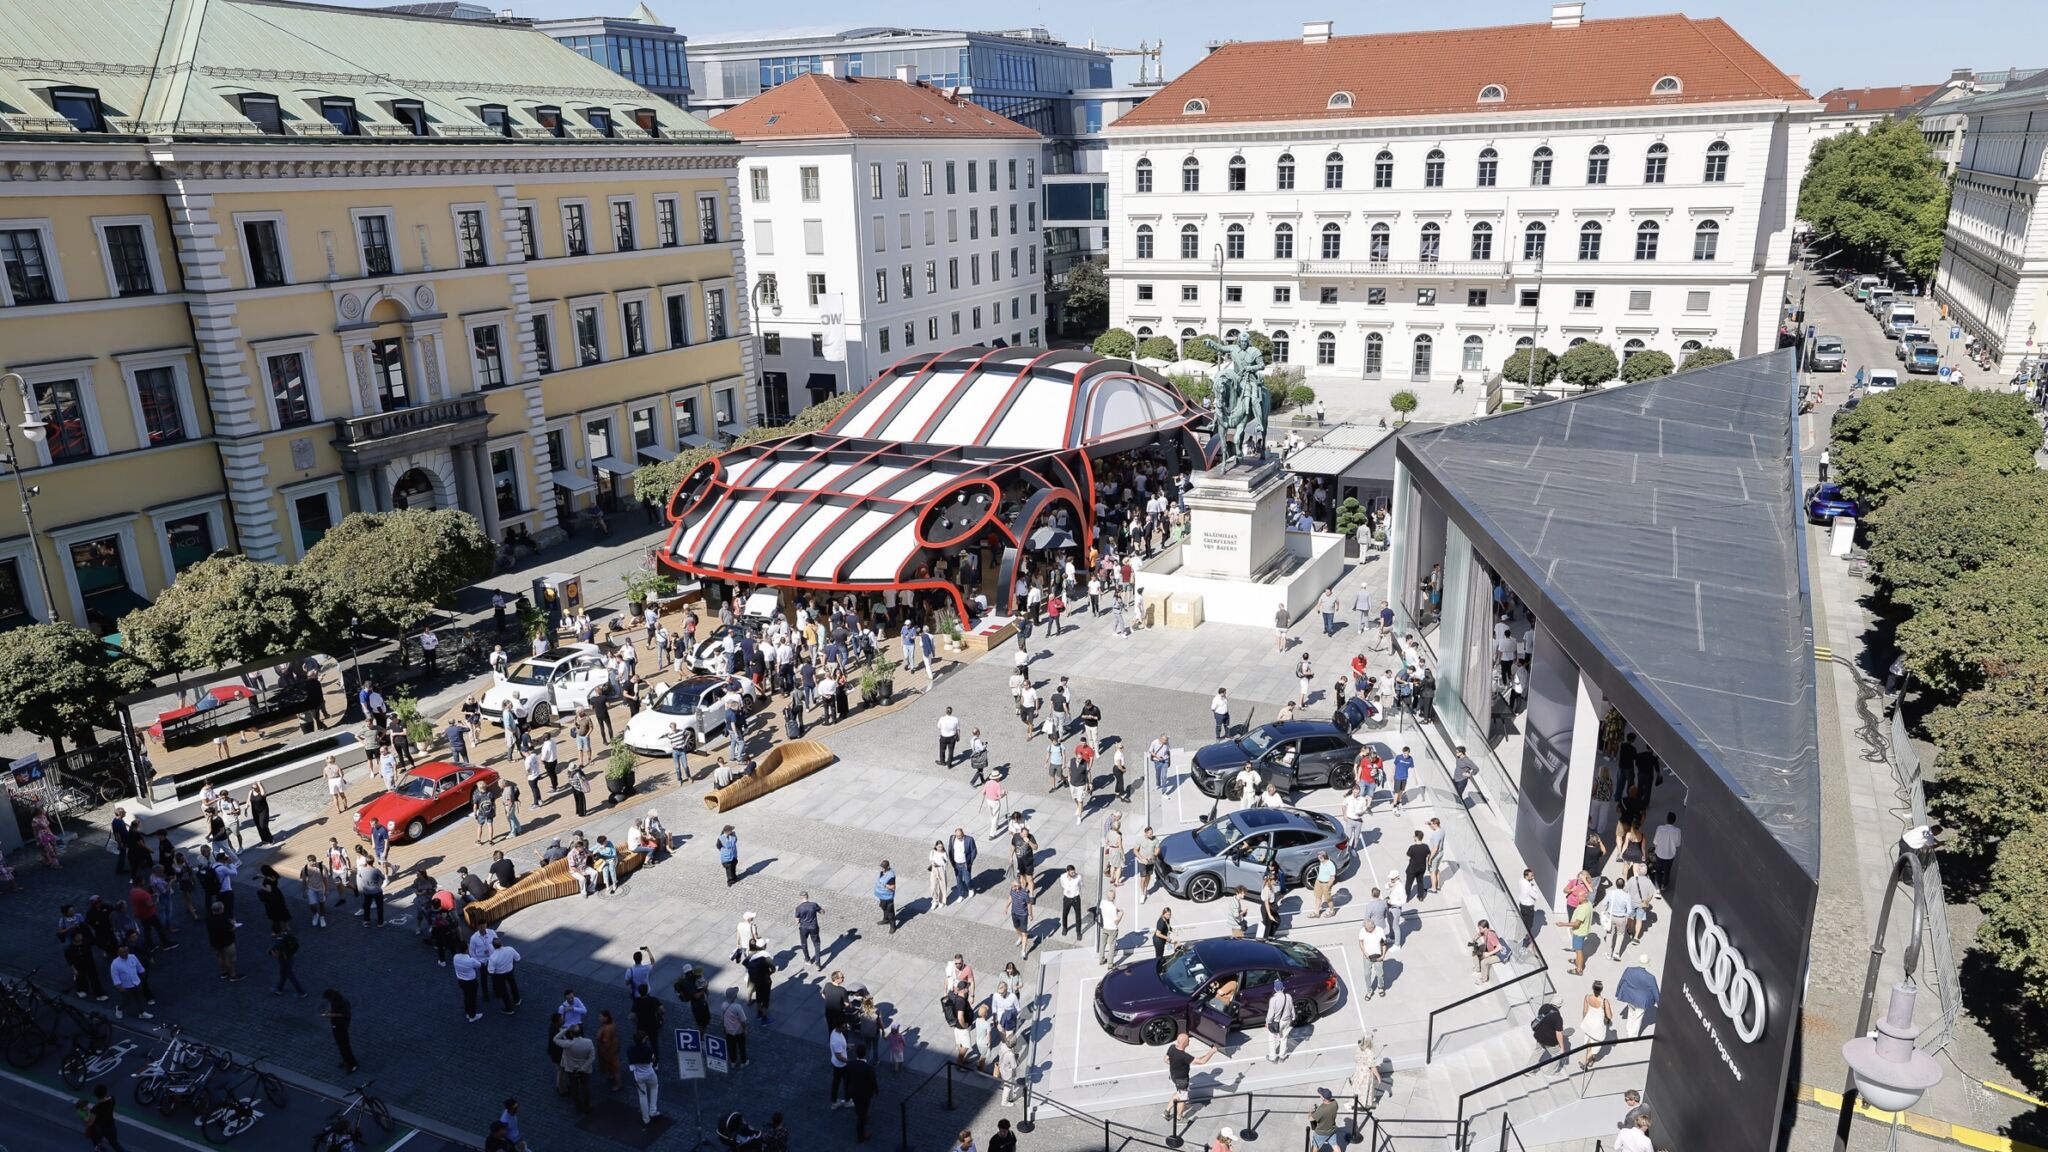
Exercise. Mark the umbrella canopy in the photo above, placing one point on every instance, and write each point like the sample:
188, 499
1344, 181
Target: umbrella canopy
1152, 362
1637, 987
1189, 367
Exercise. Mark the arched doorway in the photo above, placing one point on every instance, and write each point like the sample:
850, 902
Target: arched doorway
415, 489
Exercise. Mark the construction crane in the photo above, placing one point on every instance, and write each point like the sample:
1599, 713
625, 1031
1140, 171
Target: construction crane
1153, 51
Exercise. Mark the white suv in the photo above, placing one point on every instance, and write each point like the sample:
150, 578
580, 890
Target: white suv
556, 682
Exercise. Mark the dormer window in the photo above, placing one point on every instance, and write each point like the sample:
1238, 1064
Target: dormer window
1666, 86
1340, 100
648, 121
342, 114
550, 118
1492, 94
263, 112
412, 114
600, 119
497, 118
81, 106
1194, 107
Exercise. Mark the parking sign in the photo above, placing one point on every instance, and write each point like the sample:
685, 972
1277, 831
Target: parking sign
714, 1055
1955, 332
690, 1054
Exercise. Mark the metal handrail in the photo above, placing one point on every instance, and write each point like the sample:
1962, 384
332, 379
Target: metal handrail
1521, 1072
1429, 1033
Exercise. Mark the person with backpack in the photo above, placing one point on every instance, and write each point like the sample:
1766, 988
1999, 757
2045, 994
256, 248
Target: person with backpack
284, 945
1548, 1029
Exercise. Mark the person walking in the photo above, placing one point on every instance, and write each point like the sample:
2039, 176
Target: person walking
579, 1056
1595, 1024
1146, 853
885, 894
1111, 917
1416, 884
337, 1013
1664, 852
646, 1082
809, 943
98, 1115
1159, 754
734, 1021
258, 807
861, 1087
1636, 1137
1021, 901
1326, 604
220, 936
1322, 1123
337, 784
949, 738
370, 885
579, 789
728, 844
503, 965
1219, 710
1070, 899
1180, 1065
1162, 935
993, 797
938, 875
1372, 948
960, 853
1404, 765
1279, 1022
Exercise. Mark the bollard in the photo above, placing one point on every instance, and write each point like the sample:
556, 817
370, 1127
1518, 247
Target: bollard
949, 1085
1248, 1128
903, 1126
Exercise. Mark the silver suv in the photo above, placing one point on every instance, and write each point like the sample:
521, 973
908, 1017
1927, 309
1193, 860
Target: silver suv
1235, 848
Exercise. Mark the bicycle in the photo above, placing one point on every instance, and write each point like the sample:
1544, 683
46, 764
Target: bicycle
343, 1131
190, 1087
180, 1058
35, 1019
228, 1112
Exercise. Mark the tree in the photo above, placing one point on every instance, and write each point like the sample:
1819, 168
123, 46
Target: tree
1879, 193
1516, 370
1992, 768
388, 568
1197, 389
1116, 342
1983, 625
1930, 404
1933, 532
1703, 357
60, 682
222, 611
1158, 348
1087, 302
1645, 366
1198, 348
1404, 402
1875, 470
1588, 365
1350, 514
2014, 932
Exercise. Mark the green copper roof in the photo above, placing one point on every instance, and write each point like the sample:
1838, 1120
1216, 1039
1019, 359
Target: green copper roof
179, 68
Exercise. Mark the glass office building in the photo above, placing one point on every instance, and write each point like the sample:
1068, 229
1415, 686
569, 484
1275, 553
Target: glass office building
648, 53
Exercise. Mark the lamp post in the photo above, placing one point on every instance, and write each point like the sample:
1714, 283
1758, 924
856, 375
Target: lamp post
33, 427
1886, 1069
1219, 293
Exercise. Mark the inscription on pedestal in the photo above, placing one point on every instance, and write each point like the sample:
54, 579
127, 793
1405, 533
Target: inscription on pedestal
1220, 541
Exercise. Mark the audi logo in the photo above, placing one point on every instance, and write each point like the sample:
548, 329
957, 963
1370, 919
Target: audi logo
1727, 975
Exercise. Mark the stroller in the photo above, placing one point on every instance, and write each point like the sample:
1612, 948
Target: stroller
736, 1134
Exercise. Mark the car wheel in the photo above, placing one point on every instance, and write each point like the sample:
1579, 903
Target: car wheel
1308, 875
690, 740
541, 714
1159, 1031
1340, 775
1204, 888
1304, 1013
414, 829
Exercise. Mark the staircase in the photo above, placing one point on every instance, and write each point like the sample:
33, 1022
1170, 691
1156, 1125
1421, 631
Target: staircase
1557, 1105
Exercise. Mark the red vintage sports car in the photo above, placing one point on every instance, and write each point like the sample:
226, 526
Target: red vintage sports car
433, 791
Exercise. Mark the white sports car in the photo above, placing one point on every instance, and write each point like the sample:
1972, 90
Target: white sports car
693, 709
556, 682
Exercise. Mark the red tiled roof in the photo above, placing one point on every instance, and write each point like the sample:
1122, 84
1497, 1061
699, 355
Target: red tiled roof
1842, 100
815, 105
1598, 64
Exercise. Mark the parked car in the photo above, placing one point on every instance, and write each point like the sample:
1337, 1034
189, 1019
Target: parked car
697, 706
1881, 380
1826, 501
709, 655
1902, 347
1925, 360
1235, 849
1295, 755
432, 792
1826, 355
1151, 1002
559, 680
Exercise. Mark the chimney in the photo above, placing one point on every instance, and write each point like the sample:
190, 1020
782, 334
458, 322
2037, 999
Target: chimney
829, 66
906, 73
1317, 31
1567, 15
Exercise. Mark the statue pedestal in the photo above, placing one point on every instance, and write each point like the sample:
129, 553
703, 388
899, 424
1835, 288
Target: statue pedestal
1237, 520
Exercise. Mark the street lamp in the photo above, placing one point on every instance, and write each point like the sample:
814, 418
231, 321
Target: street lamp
1886, 1069
33, 427
1219, 294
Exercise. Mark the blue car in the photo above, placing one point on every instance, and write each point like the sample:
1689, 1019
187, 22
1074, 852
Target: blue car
1824, 502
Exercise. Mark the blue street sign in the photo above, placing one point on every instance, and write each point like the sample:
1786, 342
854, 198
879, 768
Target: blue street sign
714, 1055
690, 1053
1955, 332
1944, 371
1810, 331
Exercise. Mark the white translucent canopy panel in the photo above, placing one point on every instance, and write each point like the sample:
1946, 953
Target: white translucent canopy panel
824, 478
870, 419
874, 476
887, 560
964, 422
736, 512
923, 404
850, 537
762, 531
1116, 405
775, 473
1039, 417
690, 541
783, 563
929, 480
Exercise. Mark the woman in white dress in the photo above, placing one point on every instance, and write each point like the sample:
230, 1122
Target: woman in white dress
939, 871
1365, 1074
1595, 1024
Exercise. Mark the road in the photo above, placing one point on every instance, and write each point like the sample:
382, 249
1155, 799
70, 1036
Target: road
1864, 342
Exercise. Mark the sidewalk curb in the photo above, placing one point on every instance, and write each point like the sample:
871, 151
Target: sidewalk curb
1913, 1121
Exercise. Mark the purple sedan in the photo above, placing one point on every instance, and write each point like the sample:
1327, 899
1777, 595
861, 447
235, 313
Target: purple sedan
1147, 1002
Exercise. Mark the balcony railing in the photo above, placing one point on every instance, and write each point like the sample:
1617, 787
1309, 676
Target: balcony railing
359, 430
1464, 269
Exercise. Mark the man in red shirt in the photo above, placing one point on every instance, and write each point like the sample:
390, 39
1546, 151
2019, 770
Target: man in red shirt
142, 906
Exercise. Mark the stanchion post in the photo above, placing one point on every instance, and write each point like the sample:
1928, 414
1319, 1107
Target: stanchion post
903, 1126
949, 1085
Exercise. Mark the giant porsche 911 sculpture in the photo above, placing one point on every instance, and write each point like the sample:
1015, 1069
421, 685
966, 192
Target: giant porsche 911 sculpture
945, 471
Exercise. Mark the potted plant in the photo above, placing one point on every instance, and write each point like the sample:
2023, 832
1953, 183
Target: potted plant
418, 728
1350, 514
949, 624
618, 770
1404, 402
878, 681
644, 586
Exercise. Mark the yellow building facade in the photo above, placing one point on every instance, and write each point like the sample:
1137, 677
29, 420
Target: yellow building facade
253, 283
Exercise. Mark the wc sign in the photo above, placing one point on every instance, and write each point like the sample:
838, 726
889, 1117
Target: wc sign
832, 315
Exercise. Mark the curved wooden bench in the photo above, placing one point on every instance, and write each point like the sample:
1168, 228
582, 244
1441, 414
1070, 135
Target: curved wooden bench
783, 764
548, 882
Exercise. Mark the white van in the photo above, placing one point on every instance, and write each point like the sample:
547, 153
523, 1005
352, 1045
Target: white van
1900, 317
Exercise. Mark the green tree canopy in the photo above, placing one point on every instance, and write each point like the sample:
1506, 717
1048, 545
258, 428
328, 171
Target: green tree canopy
1088, 293
388, 568
2015, 929
60, 682
1992, 767
1197, 347
1702, 357
1588, 365
222, 611
1404, 402
1516, 370
1645, 366
1116, 342
1931, 404
1875, 471
1879, 193
1932, 532
1158, 348
1982, 625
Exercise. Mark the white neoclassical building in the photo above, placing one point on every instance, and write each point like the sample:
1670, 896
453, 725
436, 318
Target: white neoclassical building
1410, 207
1994, 251
882, 217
